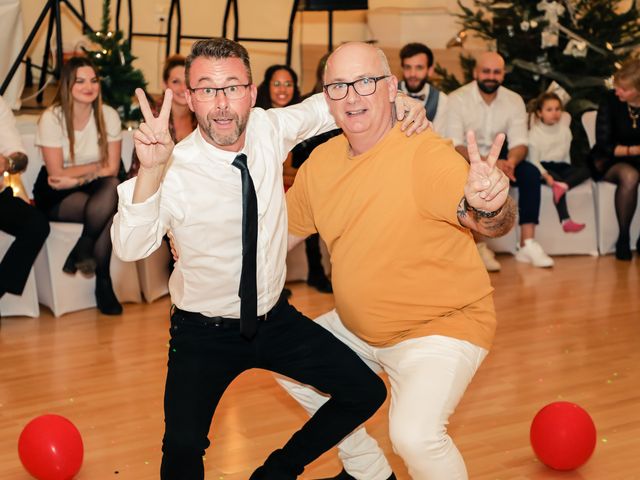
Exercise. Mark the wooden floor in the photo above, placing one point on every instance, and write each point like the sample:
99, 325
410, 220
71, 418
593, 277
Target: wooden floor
570, 333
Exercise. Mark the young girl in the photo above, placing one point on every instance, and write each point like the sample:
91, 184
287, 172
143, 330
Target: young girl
549, 145
80, 140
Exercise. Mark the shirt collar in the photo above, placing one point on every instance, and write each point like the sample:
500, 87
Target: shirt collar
213, 153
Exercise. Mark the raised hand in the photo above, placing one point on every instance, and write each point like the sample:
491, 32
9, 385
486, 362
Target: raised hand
487, 186
152, 139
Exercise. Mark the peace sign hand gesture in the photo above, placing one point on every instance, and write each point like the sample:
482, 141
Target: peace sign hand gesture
152, 139
487, 186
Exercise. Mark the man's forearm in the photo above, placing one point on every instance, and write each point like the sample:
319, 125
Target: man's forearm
147, 183
517, 154
496, 226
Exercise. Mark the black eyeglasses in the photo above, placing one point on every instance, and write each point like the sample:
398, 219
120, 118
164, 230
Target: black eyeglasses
232, 92
363, 87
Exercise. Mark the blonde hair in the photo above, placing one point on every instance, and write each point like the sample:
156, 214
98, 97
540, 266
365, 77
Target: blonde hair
629, 72
64, 100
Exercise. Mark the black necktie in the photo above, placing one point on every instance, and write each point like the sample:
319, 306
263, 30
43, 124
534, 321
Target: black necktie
248, 291
418, 96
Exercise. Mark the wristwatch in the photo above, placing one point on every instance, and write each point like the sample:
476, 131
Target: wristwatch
480, 213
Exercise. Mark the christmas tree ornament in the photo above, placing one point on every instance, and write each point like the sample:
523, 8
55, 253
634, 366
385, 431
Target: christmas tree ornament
552, 12
575, 48
524, 26
549, 38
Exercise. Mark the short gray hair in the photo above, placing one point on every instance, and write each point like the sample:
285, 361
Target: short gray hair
218, 48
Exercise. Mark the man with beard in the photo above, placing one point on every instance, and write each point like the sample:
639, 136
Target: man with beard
222, 197
488, 108
417, 64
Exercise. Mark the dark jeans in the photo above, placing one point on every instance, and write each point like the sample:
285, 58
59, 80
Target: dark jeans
204, 360
30, 227
572, 176
529, 190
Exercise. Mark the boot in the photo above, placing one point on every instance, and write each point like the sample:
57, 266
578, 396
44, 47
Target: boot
81, 258
106, 300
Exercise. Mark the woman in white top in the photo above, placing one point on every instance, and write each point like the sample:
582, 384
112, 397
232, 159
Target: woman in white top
549, 151
80, 140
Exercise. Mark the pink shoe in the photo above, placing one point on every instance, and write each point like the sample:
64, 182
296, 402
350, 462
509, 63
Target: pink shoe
559, 189
569, 226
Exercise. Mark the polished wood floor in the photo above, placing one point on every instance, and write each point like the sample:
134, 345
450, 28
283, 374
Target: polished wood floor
570, 333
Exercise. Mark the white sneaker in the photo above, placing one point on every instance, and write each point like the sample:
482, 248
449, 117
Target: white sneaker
532, 253
488, 257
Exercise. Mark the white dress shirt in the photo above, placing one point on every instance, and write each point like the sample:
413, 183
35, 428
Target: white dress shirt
10, 139
468, 111
200, 200
440, 120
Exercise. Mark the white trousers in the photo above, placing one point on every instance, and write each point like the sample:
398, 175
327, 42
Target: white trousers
428, 377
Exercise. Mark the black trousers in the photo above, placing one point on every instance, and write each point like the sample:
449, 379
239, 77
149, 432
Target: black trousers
205, 358
572, 176
529, 192
30, 227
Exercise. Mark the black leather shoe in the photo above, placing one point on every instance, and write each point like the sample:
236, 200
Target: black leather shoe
343, 475
105, 298
320, 283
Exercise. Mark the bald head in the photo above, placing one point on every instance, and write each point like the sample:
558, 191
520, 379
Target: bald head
360, 92
489, 72
490, 60
349, 54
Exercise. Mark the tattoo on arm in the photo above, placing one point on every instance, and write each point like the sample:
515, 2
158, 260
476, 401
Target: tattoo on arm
491, 227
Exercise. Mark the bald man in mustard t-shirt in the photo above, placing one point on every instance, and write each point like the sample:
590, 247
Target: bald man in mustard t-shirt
412, 295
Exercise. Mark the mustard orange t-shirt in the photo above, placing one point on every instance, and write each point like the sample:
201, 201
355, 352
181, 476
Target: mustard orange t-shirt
402, 265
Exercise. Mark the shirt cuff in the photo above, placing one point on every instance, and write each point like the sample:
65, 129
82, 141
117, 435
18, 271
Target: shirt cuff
137, 214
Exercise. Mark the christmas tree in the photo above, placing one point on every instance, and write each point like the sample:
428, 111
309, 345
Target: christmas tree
576, 43
119, 79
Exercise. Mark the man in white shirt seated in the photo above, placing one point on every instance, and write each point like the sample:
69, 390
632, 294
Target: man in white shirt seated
223, 199
417, 64
17, 218
488, 108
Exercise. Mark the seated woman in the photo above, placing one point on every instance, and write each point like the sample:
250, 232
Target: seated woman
80, 140
616, 155
280, 89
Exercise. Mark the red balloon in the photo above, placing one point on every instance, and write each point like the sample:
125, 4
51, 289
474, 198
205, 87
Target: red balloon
563, 436
50, 448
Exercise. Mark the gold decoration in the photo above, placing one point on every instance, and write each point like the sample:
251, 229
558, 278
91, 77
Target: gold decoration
14, 181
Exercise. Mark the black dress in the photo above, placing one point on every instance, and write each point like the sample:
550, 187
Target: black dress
614, 126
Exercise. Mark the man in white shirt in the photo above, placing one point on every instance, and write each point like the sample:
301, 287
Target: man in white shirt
17, 218
223, 199
417, 64
488, 108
